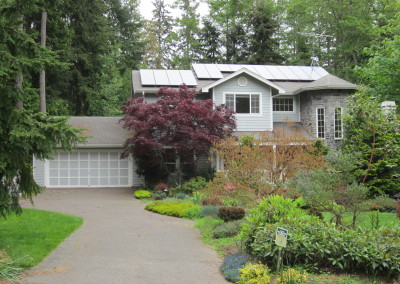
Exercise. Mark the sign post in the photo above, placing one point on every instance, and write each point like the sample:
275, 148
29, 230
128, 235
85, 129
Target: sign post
280, 240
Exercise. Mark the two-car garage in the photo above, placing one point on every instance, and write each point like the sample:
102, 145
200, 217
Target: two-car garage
97, 163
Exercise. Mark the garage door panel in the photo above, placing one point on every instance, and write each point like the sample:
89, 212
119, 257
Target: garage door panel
89, 168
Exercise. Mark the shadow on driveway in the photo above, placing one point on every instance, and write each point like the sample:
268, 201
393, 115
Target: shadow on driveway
120, 242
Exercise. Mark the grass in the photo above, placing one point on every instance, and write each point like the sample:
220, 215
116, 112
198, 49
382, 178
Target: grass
364, 219
30, 237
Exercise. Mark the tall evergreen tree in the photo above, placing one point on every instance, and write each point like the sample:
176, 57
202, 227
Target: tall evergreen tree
187, 42
263, 45
210, 42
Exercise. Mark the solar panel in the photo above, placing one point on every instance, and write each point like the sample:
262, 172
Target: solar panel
320, 71
264, 72
303, 75
201, 71
188, 77
276, 72
161, 77
224, 67
147, 77
250, 68
287, 70
174, 77
213, 71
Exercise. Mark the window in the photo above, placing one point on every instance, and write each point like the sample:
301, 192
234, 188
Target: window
338, 123
320, 122
243, 103
280, 104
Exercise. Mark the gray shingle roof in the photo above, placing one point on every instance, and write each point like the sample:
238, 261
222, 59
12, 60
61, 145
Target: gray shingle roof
104, 132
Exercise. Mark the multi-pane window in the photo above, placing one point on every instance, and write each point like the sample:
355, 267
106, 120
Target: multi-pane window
321, 122
281, 104
338, 123
243, 103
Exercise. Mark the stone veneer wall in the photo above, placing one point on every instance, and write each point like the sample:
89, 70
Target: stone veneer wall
329, 99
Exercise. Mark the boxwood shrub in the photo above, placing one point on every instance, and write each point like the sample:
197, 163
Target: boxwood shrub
141, 193
315, 243
182, 210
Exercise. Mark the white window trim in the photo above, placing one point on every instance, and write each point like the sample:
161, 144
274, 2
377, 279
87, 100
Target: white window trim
284, 97
245, 93
334, 123
316, 122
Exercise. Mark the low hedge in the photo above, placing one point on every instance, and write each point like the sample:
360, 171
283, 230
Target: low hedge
181, 210
141, 193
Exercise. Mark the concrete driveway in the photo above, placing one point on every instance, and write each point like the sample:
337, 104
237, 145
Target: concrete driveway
120, 242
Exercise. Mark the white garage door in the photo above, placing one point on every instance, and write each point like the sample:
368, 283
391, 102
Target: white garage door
89, 168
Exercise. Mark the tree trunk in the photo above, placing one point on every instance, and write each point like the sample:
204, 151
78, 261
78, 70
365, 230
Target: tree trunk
42, 78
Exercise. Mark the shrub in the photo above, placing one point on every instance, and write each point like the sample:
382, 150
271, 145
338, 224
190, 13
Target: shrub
231, 213
194, 184
315, 243
292, 276
211, 201
229, 229
180, 195
210, 210
141, 193
159, 195
254, 274
231, 265
383, 203
197, 197
182, 210
161, 187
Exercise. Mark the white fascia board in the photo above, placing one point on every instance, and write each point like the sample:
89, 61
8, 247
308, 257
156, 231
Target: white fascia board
241, 71
97, 146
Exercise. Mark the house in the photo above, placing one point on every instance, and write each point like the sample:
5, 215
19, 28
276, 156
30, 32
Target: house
263, 97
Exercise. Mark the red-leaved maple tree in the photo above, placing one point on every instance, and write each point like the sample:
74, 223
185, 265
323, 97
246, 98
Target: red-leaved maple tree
176, 121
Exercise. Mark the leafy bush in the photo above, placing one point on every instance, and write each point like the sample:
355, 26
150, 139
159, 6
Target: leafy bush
141, 193
231, 213
182, 210
383, 203
194, 184
210, 210
159, 195
229, 229
254, 274
312, 242
197, 197
180, 195
211, 201
292, 276
231, 265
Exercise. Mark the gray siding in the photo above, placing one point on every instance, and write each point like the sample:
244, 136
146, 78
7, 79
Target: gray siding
293, 116
328, 99
39, 171
151, 98
248, 122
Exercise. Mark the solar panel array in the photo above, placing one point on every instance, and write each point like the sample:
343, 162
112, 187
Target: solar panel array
152, 77
269, 72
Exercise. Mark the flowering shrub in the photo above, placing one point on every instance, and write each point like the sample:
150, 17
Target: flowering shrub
141, 193
231, 265
231, 213
254, 274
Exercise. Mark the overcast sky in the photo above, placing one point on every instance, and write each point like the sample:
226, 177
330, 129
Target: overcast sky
146, 8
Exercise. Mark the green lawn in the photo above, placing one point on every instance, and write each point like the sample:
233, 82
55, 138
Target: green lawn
30, 237
364, 220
